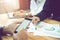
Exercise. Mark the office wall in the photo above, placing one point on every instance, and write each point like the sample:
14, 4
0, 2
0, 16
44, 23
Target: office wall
12, 5
24, 4
8, 5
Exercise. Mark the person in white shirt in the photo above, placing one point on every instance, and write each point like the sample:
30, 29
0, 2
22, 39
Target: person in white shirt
36, 6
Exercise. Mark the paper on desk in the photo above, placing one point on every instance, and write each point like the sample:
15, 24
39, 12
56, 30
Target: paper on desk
1, 25
31, 27
46, 29
10, 21
3, 19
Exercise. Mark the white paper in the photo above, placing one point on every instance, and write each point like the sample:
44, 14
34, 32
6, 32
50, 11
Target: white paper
10, 21
31, 27
46, 29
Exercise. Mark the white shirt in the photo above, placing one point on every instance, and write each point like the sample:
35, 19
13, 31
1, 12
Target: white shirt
36, 6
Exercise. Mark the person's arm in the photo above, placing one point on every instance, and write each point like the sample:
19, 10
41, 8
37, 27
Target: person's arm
46, 12
22, 14
36, 6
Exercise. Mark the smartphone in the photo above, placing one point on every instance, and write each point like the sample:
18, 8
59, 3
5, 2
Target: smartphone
23, 25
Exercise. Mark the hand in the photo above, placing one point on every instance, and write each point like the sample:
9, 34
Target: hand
20, 13
35, 20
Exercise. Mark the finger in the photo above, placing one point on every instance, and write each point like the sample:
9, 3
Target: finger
34, 22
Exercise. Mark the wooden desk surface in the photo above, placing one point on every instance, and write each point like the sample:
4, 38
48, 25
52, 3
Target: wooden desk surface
30, 35
52, 21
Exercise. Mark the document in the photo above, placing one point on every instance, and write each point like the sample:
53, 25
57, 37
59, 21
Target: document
46, 29
31, 27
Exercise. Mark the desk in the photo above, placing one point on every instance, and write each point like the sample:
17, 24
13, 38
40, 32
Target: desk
29, 36
32, 37
10, 28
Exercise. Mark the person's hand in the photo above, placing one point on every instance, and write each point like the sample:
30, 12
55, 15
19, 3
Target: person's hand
21, 13
35, 20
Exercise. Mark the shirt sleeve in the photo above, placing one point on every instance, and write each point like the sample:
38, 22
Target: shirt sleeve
37, 6
46, 12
